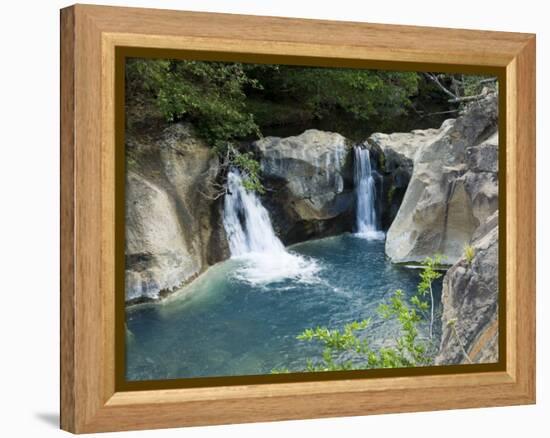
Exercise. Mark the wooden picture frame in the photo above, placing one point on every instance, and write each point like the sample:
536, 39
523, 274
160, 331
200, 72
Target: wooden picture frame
91, 37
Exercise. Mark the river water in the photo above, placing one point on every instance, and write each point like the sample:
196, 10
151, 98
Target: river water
242, 316
223, 324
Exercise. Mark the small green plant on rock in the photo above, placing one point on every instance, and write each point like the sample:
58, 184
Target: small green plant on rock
469, 253
251, 168
231, 157
382, 161
428, 275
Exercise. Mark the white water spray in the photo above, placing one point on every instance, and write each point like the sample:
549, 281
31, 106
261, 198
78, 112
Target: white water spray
365, 192
246, 221
252, 239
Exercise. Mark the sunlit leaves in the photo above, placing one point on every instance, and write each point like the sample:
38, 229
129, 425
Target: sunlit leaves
348, 348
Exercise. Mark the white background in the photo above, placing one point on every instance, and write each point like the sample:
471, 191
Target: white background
29, 218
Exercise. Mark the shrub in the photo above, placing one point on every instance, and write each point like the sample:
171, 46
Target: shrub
346, 349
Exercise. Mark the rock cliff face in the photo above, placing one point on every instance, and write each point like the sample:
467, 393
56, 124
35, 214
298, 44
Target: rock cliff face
394, 165
309, 181
454, 184
451, 201
470, 303
173, 227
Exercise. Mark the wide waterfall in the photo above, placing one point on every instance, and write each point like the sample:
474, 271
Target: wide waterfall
246, 221
365, 192
252, 240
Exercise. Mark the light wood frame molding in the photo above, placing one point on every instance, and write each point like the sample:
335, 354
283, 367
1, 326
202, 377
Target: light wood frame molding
89, 38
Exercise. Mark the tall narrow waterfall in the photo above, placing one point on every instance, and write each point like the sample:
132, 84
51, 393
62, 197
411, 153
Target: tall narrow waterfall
365, 192
252, 240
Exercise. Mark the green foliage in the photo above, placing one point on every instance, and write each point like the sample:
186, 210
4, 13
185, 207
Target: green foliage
428, 275
251, 169
472, 85
336, 340
410, 351
228, 101
348, 348
462, 88
469, 253
363, 94
209, 94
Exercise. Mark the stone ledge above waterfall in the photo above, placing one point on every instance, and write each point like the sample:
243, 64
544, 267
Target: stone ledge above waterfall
309, 178
313, 163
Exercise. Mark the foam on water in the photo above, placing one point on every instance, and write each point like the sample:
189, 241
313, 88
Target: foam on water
253, 241
262, 269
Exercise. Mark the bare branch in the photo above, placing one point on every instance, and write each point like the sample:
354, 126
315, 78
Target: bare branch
487, 81
436, 81
437, 113
468, 98
455, 97
212, 197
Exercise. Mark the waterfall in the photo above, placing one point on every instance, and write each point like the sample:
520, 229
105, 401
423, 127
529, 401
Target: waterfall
246, 221
365, 192
253, 241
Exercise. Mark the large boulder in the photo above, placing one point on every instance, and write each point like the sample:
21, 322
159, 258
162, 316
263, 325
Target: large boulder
470, 302
174, 229
309, 180
454, 184
157, 256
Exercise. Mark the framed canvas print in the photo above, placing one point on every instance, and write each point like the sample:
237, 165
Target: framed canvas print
269, 218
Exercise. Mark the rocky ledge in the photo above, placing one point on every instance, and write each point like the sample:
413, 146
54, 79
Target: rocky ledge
454, 184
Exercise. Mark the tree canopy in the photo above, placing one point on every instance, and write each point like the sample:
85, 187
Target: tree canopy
229, 101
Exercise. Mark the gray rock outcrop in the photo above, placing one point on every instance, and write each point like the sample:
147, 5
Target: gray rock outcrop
470, 303
309, 178
393, 157
454, 184
173, 224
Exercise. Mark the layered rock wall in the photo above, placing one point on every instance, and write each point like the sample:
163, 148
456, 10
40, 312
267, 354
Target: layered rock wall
173, 223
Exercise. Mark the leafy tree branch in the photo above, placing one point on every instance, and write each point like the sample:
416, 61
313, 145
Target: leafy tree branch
348, 348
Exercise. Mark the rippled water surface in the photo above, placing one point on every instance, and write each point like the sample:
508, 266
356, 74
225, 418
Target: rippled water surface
242, 316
